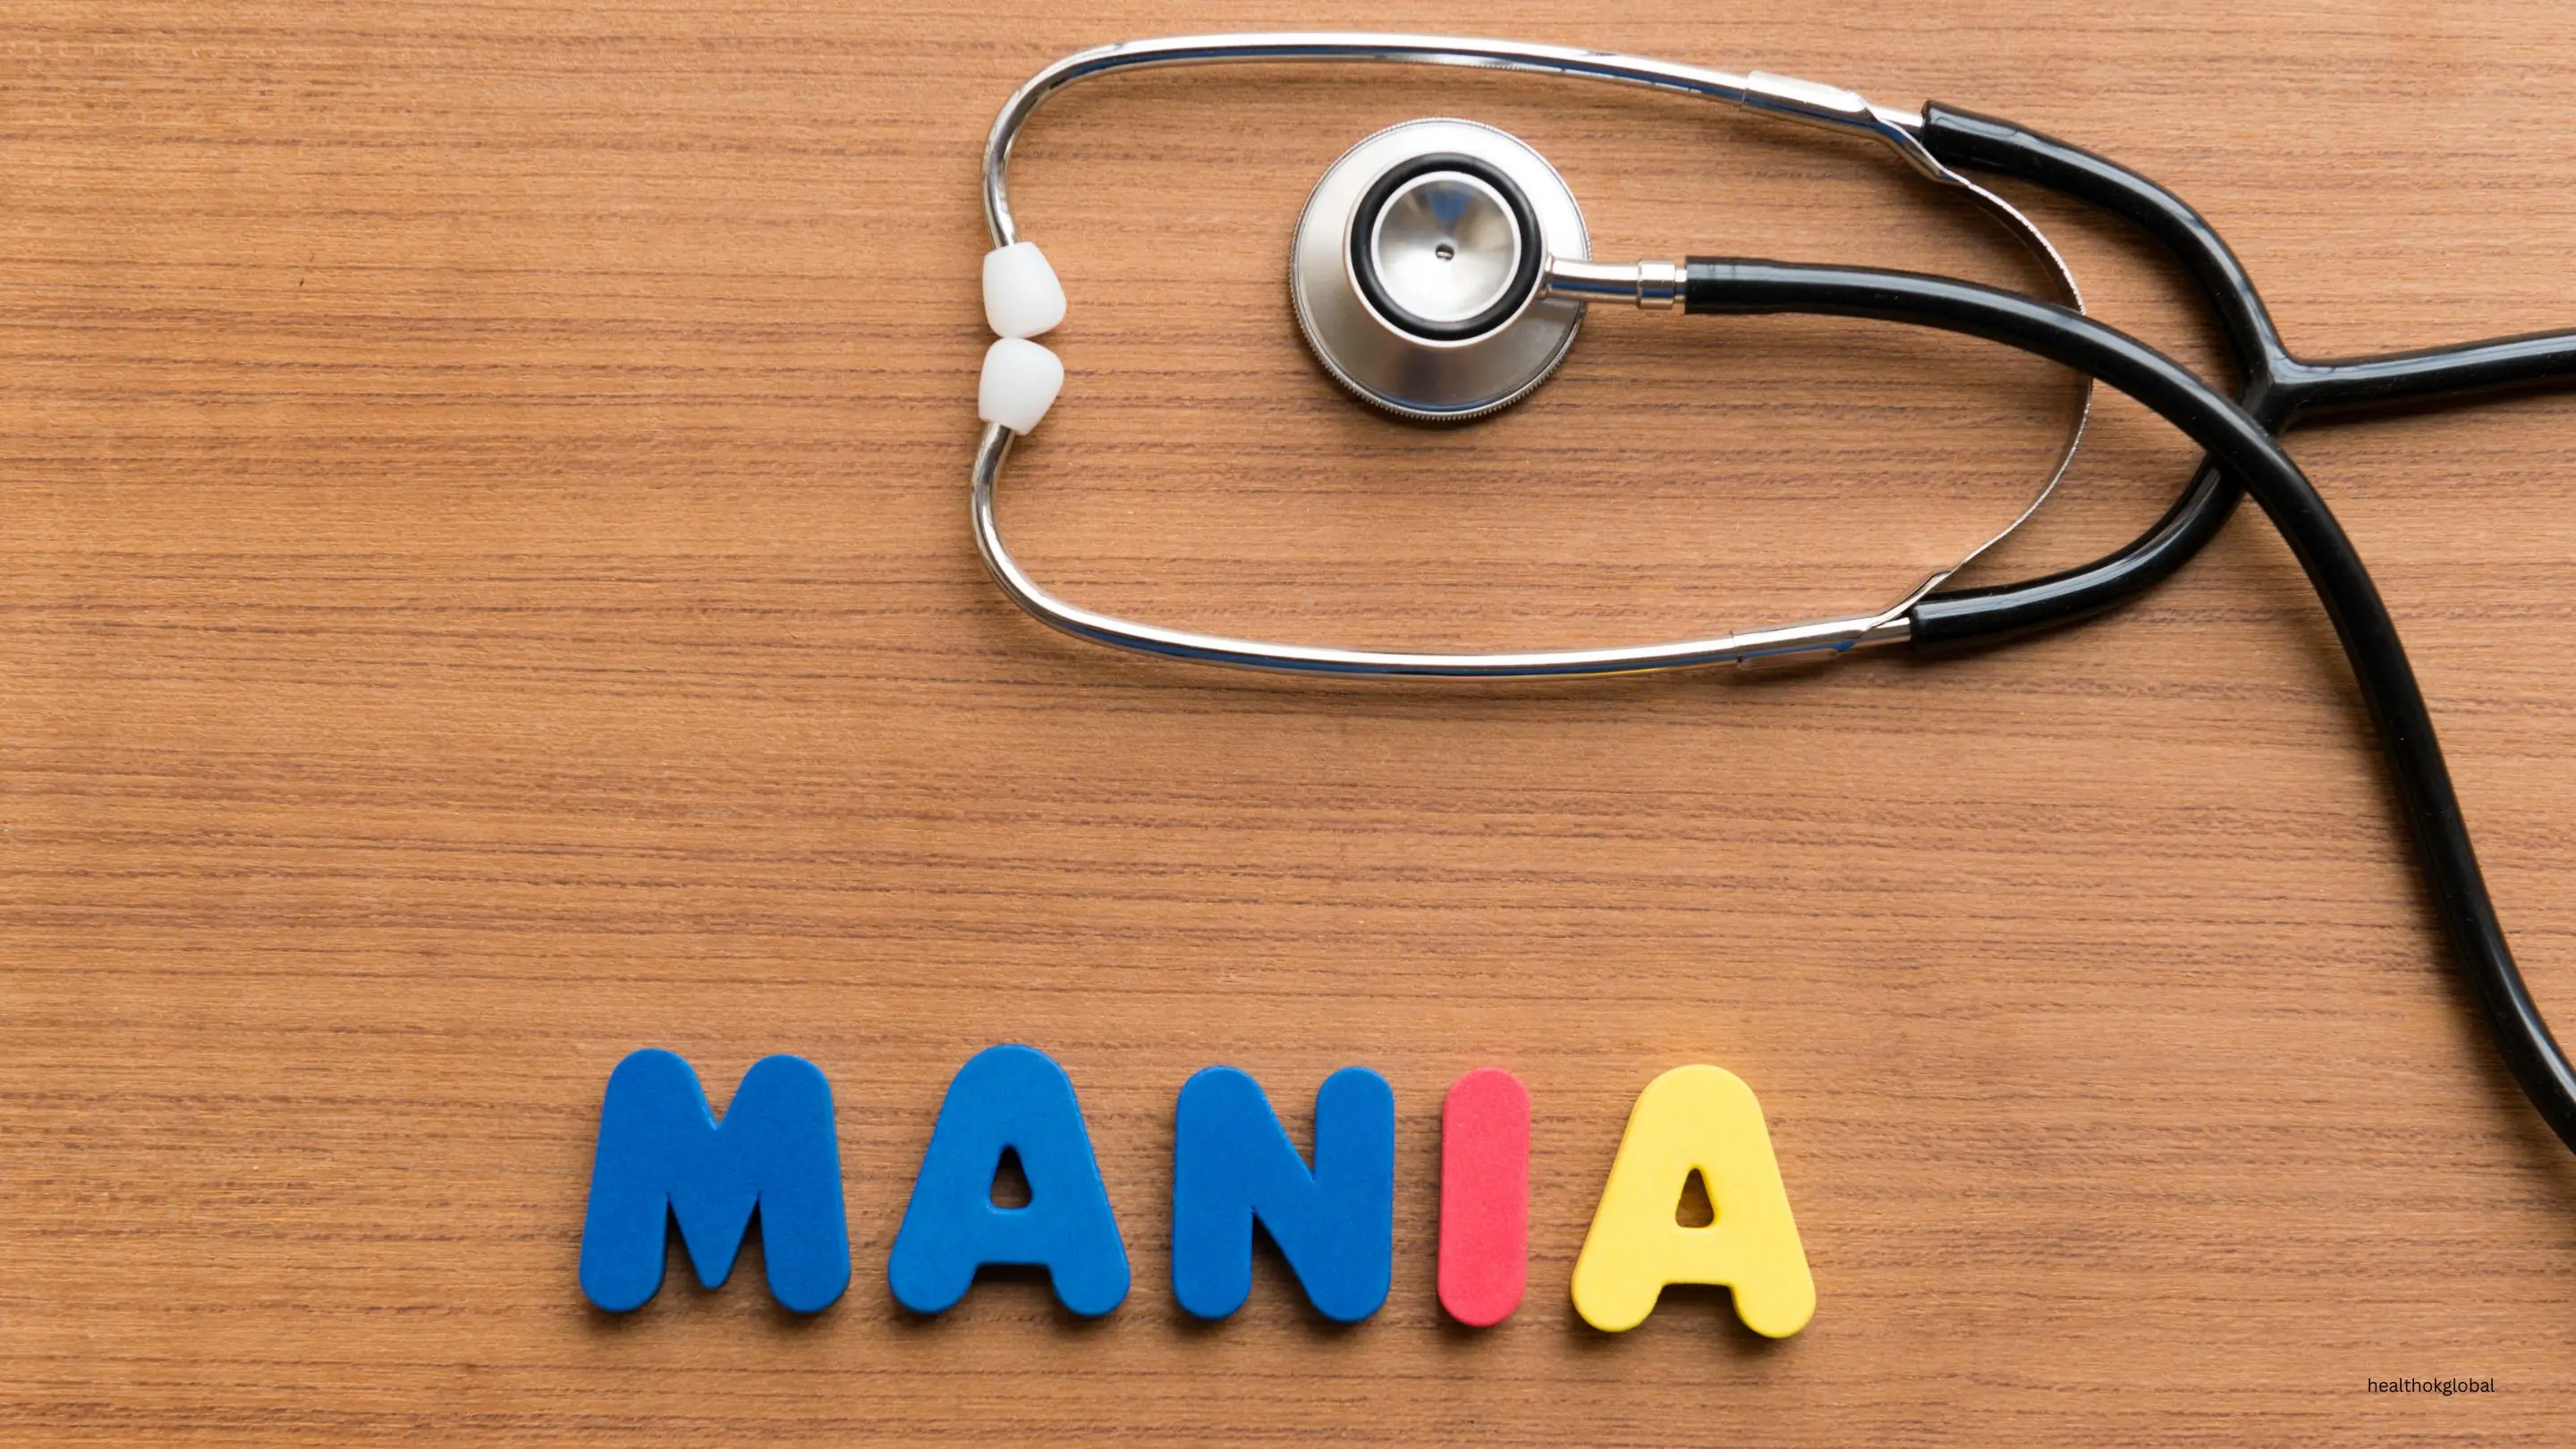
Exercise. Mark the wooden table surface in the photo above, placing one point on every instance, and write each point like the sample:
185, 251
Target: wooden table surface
484, 587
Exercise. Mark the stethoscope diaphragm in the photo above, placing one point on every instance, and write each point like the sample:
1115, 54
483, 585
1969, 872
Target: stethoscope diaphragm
1417, 265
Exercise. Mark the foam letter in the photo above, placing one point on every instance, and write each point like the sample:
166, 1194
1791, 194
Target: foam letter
662, 1155
1232, 1163
1484, 1197
1011, 1098
1700, 1119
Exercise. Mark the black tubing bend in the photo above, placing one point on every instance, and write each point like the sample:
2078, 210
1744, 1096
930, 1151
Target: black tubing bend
2278, 388
2243, 447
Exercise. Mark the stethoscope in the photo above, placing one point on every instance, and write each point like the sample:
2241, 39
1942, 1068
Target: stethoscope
1440, 272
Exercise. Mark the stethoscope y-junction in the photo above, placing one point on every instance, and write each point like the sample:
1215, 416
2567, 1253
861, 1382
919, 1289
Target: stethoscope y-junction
1441, 271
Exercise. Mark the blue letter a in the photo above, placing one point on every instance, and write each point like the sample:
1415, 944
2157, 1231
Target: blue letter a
1232, 1162
662, 1155
1012, 1098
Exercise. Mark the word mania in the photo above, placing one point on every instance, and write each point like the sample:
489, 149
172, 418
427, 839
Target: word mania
664, 1156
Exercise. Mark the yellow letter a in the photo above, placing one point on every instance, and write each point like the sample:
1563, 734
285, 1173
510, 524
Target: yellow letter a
1703, 1118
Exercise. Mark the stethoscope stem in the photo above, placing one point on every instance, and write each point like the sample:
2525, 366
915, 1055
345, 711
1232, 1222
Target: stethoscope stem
1652, 286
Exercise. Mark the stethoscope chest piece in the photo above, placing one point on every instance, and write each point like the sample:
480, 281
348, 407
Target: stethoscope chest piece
1418, 269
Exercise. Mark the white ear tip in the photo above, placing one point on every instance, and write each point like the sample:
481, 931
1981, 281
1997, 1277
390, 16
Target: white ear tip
1022, 298
1020, 382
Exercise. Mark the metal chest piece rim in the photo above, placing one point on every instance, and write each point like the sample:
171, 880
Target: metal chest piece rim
1419, 265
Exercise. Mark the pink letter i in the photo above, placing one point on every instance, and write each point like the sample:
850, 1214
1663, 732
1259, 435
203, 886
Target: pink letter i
1484, 1197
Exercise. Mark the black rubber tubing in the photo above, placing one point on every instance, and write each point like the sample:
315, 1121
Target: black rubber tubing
2245, 450
2278, 389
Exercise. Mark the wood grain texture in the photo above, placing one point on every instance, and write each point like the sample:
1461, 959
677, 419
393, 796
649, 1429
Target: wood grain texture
484, 587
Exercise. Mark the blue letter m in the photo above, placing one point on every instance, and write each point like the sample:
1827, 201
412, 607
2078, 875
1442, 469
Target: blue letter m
661, 1155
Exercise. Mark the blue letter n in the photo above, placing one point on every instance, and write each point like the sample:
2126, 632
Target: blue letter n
662, 1155
1232, 1163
